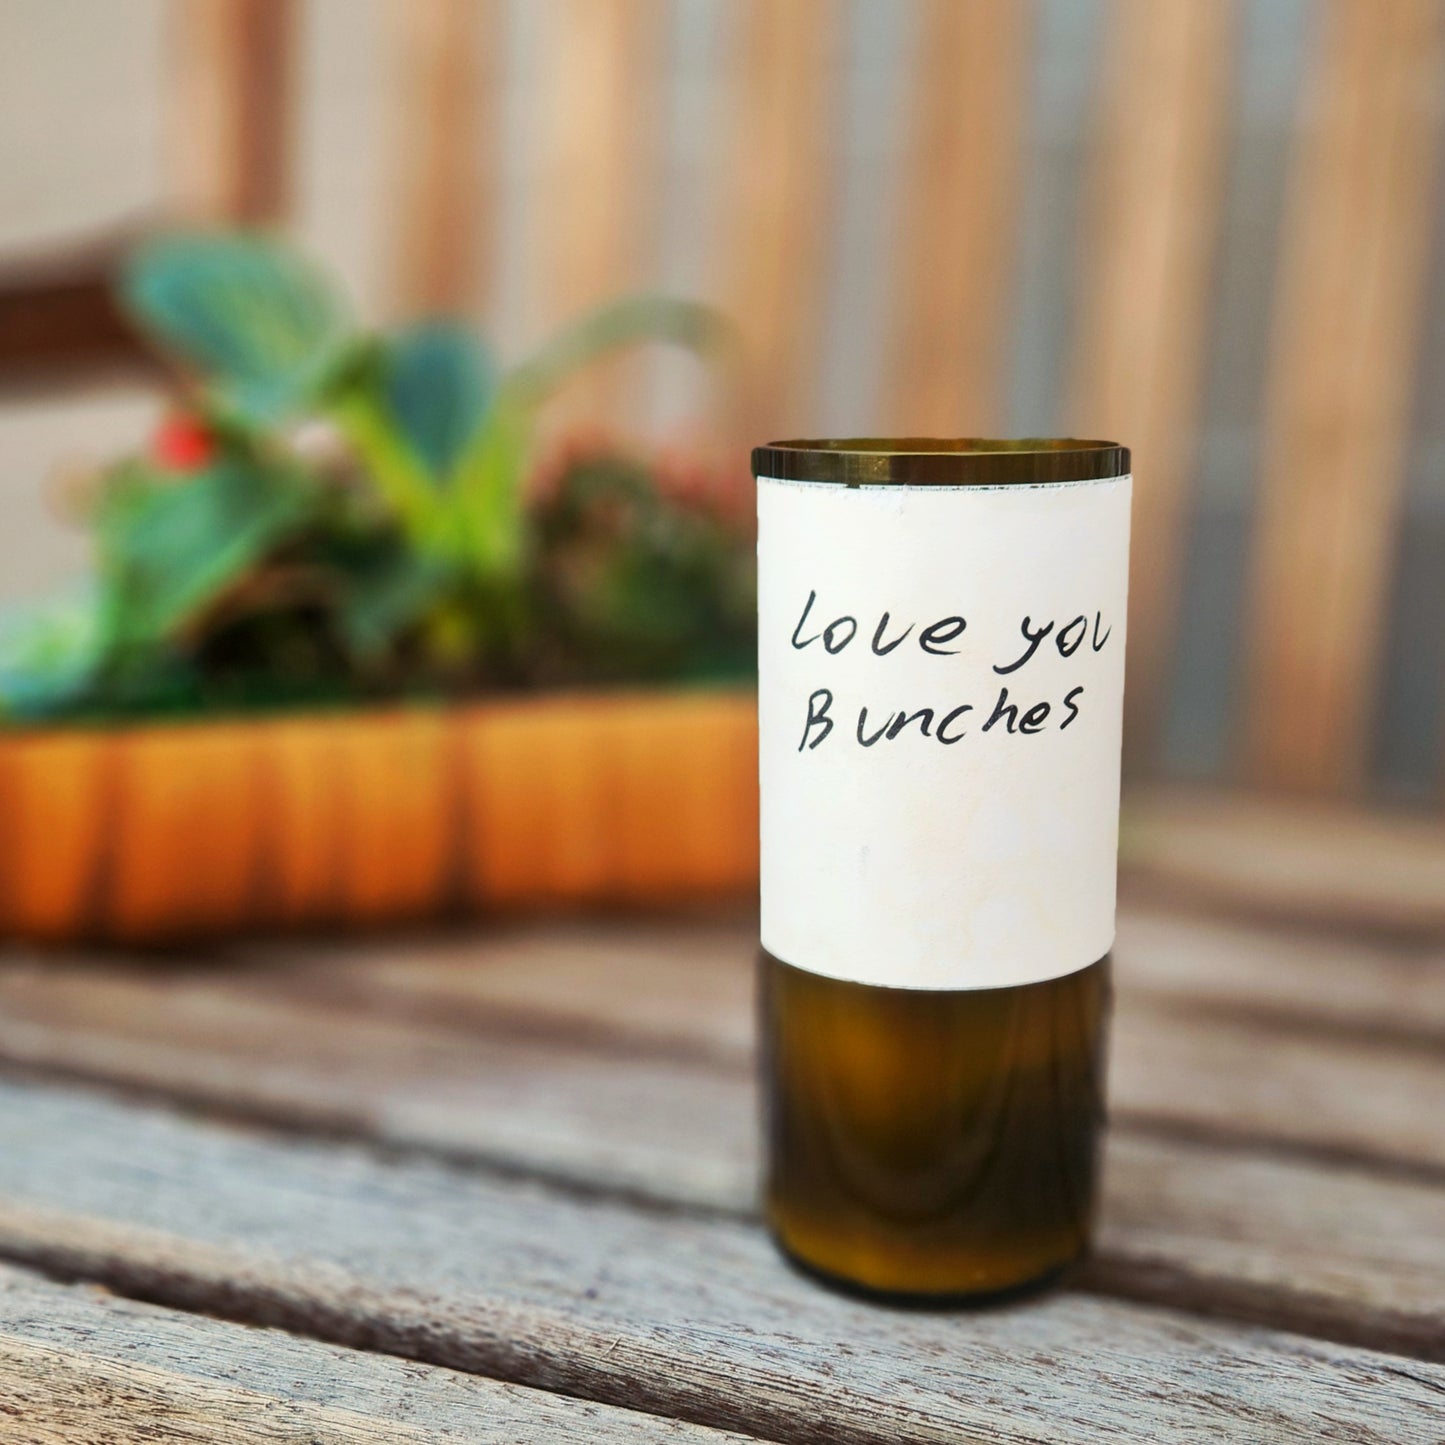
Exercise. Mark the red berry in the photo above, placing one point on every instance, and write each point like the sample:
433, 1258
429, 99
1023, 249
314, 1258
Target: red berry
183, 444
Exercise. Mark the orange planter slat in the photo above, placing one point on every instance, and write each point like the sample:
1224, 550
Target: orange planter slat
151, 834
185, 841
301, 790
542, 783
651, 847
689, 807
54, 818
496, 787
613, 799
723, 816
571, 757
397, 805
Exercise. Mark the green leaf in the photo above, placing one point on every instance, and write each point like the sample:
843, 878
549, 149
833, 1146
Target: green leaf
616, 324
488, 491
395, 471
384, 600
169, 549
257, 319
490, 473
49, 653
438, 380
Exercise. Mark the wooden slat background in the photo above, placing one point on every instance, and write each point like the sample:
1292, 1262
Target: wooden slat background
445, 152
776, 187
958, 222
231, 125
597, 168
1356, 242
668, 1312
1144, 287
527, 163
1351, 275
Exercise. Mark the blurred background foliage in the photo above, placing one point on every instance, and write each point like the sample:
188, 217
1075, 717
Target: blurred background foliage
332, 514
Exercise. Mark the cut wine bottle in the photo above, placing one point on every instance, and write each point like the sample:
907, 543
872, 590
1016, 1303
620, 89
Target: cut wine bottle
940, 690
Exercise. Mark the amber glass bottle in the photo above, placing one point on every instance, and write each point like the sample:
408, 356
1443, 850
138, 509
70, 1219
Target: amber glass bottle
940, 693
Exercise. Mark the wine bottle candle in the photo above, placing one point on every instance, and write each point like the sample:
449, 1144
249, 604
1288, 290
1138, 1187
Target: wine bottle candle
940, 690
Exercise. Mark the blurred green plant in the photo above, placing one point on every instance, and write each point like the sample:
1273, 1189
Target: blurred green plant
336, 514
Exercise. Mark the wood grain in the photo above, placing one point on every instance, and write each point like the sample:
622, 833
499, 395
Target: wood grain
598, 191
779, 180
61, 324
615, 1062
434, 1034
1306, 861
627, 1059
676, 987
685, 988
594, 1109
599, 94
79, 1366
958, 220
668, 1313
1338, 1252
1281, 1086
1318, 983
230, 123
1354, 257
444, 139
1144, 284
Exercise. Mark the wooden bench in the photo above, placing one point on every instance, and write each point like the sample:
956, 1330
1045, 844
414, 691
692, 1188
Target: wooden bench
501, 1186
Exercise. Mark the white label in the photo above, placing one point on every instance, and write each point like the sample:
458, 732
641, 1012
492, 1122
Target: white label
940, 695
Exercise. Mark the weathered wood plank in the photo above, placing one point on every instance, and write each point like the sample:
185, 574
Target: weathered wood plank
79, 1365
1317, 982
229, 131
1354, 259
594, 1118
683, 987
444, 152
546, 1070
1144, 289
693, 1318
953, 263
1307, 861
437, 1043
1369, 1100
1337, 1252
686, 988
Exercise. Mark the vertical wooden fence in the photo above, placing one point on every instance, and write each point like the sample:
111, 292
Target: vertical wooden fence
1351, 272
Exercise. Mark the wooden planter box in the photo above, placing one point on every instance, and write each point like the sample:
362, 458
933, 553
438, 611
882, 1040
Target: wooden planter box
151, 834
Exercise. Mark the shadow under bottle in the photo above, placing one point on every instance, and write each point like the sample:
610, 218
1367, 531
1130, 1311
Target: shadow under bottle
932, 1145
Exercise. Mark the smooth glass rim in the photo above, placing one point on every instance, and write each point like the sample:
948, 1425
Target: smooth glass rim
941, 461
